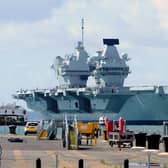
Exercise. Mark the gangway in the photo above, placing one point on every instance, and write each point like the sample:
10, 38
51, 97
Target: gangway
70, 133
48, 129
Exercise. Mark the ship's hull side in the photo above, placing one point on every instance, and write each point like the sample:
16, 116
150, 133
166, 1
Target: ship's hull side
104, 103
141, 106
146, 107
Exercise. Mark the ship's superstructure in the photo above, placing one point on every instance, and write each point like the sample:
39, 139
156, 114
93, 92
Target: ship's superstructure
110, 69
73, 71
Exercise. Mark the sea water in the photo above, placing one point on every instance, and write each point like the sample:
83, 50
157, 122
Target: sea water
5, 130
37, 116
149, 129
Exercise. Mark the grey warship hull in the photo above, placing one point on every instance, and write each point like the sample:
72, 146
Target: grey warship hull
133, 105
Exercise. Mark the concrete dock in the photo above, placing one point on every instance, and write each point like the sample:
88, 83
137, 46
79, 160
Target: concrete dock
24, 154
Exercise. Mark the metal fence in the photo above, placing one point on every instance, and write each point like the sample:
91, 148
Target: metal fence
56, 160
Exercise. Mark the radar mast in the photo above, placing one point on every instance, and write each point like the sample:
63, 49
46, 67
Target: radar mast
82, 27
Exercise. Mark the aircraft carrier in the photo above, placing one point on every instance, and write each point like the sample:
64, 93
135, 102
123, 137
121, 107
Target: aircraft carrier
92, 86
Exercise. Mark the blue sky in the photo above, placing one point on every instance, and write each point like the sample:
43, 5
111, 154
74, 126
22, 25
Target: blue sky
33, 32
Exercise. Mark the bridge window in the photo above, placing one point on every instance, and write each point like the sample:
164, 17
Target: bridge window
83, 77
76, 104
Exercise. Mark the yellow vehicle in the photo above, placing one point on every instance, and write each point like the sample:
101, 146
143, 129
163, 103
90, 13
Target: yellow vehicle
31, 127
87, 128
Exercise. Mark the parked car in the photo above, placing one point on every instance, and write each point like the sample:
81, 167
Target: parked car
31, 127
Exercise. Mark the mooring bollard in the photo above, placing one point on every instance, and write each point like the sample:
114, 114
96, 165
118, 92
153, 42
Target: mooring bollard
81, 163
56, 157
165, 143
12, 129
0, 154
153, 141
140, 139
38, 163
126, 163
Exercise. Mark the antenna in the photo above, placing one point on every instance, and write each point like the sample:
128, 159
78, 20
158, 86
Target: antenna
82, 22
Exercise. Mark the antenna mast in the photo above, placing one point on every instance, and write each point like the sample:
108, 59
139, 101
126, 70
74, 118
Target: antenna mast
82, 31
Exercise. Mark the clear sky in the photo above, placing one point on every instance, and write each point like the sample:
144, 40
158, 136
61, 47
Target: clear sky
33, 32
